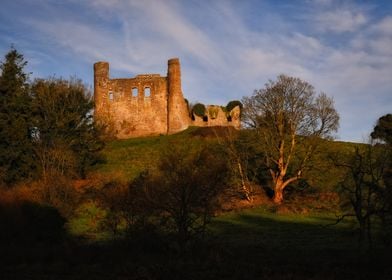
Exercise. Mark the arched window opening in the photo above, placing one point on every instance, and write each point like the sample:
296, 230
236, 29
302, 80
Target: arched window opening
205, 118
134, 92
147, 92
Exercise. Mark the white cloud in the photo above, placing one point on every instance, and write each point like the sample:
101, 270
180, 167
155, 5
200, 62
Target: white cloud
340, 20
384, 26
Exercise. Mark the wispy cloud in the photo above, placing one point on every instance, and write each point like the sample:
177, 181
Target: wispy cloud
340, 21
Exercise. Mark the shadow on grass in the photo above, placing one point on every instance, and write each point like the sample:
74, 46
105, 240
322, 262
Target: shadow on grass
248, 245
299, 247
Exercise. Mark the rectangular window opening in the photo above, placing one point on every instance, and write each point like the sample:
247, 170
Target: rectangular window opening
134, 92
147, 92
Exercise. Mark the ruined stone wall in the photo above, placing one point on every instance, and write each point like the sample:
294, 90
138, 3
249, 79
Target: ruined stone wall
132, 107
139, 105
149, 104
216, 116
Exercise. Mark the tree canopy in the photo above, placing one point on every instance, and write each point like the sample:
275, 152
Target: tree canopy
383, 129
289, 119
63, 119
44, 125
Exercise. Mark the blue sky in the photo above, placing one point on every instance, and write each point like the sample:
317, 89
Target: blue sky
227, 48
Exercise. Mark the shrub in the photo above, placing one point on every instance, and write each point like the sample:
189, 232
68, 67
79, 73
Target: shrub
199, 109
232, 104
28, 222
213, 112
185, 191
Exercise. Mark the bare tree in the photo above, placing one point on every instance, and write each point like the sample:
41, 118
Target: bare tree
289, 119
187, 188
363, 190
237, 159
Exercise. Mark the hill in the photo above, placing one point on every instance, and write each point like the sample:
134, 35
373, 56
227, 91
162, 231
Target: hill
125, 159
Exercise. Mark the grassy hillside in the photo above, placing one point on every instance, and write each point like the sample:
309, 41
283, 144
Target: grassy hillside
125, 159
261, 242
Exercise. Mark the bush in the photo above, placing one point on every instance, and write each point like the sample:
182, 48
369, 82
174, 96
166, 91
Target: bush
232, 104
57, 191
26, 221
199, 109
213, 112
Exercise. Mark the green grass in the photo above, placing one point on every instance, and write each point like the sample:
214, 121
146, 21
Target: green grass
248, 244
289, 232
295, 246
125, 159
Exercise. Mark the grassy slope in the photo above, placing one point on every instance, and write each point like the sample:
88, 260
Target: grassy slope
125, 159
249, 244
293, 246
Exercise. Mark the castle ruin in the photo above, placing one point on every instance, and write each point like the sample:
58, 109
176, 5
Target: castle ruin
150, 104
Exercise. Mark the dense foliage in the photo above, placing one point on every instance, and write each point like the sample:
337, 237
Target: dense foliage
383, 129
16, 156
232, 104
199, 109
66, 137
46, 128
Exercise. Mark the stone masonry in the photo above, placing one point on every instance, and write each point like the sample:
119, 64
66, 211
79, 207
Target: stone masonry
150, 104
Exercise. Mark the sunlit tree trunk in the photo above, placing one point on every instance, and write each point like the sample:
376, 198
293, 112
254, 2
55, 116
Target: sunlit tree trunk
278, 193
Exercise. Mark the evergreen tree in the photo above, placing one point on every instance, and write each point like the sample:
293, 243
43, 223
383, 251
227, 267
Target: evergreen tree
16, 160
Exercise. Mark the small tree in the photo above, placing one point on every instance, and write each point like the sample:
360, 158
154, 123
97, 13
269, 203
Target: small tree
363, 189
237, 154
289, 120
187, 187
16, 155
383, 131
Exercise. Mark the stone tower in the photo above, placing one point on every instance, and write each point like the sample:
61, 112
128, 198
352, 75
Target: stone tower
178, 114
101, 79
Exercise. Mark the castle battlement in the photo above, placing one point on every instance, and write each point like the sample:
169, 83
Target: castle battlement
149, 104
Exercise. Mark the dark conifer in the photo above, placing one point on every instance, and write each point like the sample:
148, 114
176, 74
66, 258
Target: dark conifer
16, 156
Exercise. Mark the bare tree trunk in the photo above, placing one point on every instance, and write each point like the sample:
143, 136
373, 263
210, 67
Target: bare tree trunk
246, 190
